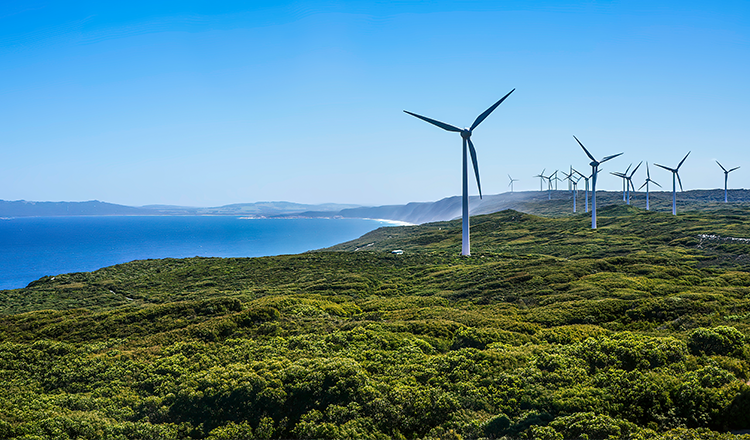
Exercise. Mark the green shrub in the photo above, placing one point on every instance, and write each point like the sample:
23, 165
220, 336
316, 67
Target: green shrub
722, 340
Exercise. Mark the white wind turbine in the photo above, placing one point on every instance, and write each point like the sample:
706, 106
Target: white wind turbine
467, 145
574, 186
726, 176
675, 173
511, 182
628, 179
594, 171
541, 180
586, 179
648, 179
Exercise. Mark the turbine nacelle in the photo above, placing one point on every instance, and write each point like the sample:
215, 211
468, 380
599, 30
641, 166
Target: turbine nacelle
466, 133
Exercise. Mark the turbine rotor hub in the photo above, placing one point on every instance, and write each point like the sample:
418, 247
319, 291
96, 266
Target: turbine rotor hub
466, 133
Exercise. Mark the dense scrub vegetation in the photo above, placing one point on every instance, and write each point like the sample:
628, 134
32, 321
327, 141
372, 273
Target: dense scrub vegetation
550, 330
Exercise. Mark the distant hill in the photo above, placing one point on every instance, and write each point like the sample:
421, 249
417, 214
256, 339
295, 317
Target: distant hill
257, 209
23, 208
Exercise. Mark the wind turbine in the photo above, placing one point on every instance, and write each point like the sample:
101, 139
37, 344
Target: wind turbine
622, 176
675, 173
556, 179
726, 176
628, 179
541, 180
594, 171
586, 179
467, 145
648, 179
574, 186
549, 185
511, 182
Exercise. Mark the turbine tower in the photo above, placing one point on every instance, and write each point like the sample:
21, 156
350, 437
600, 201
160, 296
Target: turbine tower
511, 182
594, 171
648, 179
726, 176
467, 145
675, 173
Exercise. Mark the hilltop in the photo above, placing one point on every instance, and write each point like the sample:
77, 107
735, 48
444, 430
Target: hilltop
550, 330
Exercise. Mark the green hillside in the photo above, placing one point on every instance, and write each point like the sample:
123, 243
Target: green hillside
639, 329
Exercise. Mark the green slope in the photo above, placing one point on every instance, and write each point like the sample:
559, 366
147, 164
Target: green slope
550, 330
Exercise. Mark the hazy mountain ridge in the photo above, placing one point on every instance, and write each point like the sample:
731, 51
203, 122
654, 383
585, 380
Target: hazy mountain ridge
23, 208
554, 203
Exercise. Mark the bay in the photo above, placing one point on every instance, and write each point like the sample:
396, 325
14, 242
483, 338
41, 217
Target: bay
33, 247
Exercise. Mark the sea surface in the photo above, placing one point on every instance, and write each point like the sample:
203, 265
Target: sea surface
33, 247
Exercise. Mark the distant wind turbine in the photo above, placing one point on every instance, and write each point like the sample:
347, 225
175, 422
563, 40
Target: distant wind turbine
511, 182
541, 180
628, 179
622, 176
586, 179
648, 179
726, 176
574, 186
556, 179
549, 185
594, 171
467, 145
675, 173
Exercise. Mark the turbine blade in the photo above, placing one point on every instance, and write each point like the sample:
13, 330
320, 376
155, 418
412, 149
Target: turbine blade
722, 167
615, 173
655, 183
683, 160
644, 184
487, 112
666, 168
636, 168
584, 149
648, 175
442, 125
628, 169
732, 169
476, 166
679, 180
610, 157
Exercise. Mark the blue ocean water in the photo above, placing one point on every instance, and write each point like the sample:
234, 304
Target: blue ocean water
31, 248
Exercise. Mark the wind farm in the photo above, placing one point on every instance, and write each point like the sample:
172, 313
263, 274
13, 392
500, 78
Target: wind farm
221, 220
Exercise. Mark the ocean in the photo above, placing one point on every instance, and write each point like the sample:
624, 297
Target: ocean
33, 247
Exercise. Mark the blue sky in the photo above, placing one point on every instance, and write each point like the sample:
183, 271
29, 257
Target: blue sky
203, 104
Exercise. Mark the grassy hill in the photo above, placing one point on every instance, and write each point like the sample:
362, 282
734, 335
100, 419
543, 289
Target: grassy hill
639, 329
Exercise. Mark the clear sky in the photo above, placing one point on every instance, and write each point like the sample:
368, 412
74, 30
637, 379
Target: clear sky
206, 103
